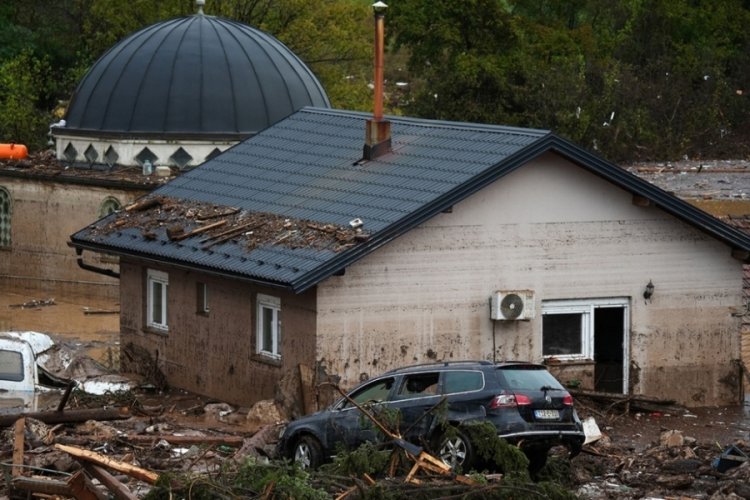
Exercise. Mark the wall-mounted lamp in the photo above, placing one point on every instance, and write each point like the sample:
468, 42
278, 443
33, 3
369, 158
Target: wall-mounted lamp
649, 291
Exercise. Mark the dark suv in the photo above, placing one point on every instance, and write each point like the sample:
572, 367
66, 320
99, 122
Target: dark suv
527, 405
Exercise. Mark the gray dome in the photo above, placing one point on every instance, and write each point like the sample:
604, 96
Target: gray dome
196, 76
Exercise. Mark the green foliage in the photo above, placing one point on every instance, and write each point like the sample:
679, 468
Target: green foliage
638, 78
245, 480
23, 85
503, 456
368, 458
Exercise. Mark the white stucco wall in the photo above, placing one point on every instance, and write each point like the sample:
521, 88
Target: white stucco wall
564, 233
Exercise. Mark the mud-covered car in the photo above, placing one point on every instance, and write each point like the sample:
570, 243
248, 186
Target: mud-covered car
524, 402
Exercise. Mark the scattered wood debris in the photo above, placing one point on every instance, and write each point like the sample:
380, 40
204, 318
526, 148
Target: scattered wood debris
180, 220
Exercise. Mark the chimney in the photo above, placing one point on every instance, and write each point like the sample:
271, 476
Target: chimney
378, 131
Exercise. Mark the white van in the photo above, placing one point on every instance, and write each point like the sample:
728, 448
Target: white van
19, 374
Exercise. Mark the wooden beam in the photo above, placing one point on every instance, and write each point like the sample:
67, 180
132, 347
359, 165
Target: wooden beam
186, 440
81, 488
18, 447
67, 416
98, 459
119, 490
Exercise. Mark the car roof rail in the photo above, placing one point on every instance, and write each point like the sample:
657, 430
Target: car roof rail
441, 364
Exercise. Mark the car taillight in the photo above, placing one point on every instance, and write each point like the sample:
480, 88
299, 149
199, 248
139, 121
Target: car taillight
568, 399
509, 400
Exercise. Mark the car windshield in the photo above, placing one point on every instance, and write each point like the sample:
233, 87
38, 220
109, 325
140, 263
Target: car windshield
529, 378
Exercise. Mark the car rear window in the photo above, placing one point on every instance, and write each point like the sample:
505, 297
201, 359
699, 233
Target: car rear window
528, 378
11, 365
462, 381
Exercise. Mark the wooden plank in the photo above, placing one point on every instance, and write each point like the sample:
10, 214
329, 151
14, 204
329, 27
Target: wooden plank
80, 488
119, 490
91, 456
199, 230
41, 485
18, 447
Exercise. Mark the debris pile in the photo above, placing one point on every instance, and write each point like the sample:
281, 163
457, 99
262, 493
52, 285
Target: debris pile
178, 219
44, 165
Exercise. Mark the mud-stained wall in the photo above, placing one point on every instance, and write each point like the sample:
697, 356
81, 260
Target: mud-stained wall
44, 215
215, 354
564, 233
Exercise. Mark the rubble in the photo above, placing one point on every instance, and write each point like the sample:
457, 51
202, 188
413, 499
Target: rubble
172, 219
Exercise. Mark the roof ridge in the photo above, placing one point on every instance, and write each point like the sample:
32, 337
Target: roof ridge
481, 127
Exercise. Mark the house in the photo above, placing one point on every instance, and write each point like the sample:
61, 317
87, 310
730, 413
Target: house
299, 247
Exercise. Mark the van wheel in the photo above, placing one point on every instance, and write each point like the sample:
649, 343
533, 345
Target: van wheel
307, 453
455, 450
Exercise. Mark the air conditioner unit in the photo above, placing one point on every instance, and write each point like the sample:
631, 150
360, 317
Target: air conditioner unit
508, 305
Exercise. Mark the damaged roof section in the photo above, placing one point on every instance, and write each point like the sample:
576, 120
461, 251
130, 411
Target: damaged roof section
257, 244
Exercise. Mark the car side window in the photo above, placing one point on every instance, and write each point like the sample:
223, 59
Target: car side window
375, 392
418, 385
462, 381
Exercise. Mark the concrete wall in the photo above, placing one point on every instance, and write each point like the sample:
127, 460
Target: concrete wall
44, 215
564, 233
214, 354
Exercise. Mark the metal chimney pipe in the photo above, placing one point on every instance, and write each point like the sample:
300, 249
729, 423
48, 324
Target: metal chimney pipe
379, 9
378, 130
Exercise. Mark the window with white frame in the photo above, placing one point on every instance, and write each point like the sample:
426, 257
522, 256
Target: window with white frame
157, 286
568, 326
269, 326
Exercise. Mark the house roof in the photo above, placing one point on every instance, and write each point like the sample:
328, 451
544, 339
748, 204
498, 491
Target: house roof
306, 177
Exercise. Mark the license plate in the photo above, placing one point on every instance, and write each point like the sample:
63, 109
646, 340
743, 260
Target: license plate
547, 414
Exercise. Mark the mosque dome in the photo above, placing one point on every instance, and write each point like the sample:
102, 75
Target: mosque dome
197, 79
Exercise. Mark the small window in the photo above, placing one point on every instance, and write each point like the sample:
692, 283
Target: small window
202, 298
269, 326
157, 286
4, 218
462, 381
419, 385
109, 205
11, 366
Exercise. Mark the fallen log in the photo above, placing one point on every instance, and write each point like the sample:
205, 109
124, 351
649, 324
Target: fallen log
98, 459
185, 440
67, 416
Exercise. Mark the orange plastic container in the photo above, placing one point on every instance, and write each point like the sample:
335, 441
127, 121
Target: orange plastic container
13, 151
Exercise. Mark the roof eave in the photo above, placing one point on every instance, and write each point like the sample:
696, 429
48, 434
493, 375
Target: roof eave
176, 263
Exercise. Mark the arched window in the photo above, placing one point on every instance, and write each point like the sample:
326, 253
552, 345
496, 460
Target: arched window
5, 207
109, 205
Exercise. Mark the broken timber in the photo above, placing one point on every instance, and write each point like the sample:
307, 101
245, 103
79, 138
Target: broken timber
118, 490
98, 459
67, 416
186, 440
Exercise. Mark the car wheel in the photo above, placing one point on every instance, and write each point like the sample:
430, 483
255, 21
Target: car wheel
455, 450
307, 453
537, 459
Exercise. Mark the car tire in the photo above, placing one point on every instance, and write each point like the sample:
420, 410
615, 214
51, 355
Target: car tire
455, 450
307, 453
537, 459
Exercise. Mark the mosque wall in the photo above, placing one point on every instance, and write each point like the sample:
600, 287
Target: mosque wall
43, 213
